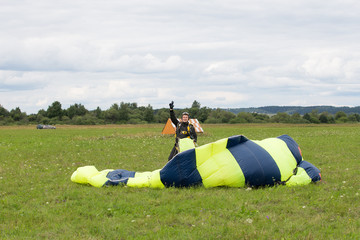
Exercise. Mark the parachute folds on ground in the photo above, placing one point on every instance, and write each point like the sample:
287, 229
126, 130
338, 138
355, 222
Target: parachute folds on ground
233, 162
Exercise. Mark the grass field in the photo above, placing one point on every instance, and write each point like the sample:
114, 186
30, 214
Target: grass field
38, 200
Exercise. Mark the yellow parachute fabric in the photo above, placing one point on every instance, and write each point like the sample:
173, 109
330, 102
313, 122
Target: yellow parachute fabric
186, 144
147, 179
299, 179
90, 175
217, 166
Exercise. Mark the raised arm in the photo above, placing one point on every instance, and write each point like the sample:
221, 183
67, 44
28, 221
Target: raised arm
172, 114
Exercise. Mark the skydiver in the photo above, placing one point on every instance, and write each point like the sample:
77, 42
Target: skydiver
184, 129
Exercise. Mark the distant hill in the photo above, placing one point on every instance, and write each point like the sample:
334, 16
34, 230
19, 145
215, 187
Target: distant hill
295, 109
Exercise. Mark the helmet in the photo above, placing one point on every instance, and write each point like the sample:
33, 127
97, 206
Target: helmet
186, 113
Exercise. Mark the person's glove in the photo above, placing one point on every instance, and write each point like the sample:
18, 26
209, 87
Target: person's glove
171, 105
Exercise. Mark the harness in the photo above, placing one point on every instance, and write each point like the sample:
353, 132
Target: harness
187, 132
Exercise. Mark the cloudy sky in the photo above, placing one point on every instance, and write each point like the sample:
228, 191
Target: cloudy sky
222, 53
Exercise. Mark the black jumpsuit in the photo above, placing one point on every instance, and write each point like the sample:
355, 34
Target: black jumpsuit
183, 130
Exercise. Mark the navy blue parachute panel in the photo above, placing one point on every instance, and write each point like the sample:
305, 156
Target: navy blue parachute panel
181, 171
258, 166
119, 176
311, 170
293, 146
235, 140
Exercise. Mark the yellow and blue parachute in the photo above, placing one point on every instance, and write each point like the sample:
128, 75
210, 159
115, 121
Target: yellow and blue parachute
233, 162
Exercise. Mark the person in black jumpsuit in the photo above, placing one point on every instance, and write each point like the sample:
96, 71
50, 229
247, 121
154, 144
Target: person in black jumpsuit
184, 129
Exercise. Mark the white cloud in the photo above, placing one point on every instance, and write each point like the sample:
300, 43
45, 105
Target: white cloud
222, 68
324, 65
221, 98
42, 103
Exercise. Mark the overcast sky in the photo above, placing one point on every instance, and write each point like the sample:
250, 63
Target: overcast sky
222, 53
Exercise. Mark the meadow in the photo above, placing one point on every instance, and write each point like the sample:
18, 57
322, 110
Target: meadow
38, 200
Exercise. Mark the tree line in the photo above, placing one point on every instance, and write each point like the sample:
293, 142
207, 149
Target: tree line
297, 109
131, 113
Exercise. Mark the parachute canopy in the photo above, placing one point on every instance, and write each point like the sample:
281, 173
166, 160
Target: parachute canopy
233, 162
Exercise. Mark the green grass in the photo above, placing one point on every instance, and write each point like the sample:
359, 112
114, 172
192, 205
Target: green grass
38, 200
